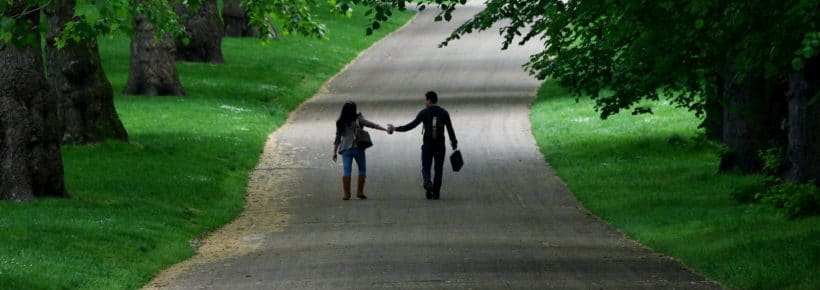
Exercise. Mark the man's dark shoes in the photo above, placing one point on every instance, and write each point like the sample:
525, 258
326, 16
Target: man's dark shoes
428, 188
436, 196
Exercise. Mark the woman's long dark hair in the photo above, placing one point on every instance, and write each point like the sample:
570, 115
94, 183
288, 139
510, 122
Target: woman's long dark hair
348, 115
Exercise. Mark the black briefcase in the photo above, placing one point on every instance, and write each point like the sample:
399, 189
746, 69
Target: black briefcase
456, 161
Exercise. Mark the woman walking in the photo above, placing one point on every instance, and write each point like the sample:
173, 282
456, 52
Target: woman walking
348, 128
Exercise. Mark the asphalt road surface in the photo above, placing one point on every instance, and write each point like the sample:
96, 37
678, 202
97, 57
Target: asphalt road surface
504, 222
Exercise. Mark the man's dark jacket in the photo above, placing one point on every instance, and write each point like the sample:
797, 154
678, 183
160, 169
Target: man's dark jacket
427, 117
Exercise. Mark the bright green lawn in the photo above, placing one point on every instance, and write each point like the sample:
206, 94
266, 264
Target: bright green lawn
648, 177
135, 206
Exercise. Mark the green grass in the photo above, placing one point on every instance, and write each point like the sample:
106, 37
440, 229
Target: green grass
136, 205
648, 176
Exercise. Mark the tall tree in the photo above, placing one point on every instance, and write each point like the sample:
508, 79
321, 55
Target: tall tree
803, 150
204, 32
30, 160
752, 121
86, 98
153, 71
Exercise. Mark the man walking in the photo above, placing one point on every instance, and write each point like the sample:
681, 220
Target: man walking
434, 119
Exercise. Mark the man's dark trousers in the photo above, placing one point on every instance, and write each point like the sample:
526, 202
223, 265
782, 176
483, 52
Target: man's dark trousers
433, 154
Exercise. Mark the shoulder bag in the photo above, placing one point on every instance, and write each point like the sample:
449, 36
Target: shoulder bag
361, 137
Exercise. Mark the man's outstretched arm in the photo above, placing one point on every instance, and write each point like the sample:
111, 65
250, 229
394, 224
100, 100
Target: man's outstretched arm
410, 125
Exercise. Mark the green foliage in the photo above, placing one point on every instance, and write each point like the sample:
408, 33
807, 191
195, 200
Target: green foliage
772, 160
810, 47
136, 206
640, 50
162, 16
16, 24
93, 18
797, 200
299, 16
295, 16
380, 11
653, 177
105, 17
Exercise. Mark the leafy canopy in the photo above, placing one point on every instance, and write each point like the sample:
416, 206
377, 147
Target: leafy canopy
101, 17
618, 52
624, 52
92, 18
381, 10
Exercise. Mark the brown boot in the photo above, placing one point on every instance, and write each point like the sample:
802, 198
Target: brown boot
360, 188
346, 187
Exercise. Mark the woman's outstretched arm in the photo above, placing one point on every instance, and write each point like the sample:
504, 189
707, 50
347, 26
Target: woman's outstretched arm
367, 123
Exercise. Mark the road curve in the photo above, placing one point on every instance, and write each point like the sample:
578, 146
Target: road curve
504, 222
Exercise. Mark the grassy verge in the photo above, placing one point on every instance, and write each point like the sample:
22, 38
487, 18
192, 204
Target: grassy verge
135, 205
649, 177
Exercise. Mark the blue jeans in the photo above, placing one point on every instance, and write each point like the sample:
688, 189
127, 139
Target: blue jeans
433, 155
347, 161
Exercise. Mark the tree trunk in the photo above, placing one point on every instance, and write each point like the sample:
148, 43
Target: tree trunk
153, 71
713, 119
804, 124
237, 21
753, 114
30, 161
85, 96
205, 33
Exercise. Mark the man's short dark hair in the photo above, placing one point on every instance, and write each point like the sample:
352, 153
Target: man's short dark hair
432, 96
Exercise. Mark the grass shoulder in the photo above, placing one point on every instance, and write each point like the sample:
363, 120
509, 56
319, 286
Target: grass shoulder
135, 206
653, 178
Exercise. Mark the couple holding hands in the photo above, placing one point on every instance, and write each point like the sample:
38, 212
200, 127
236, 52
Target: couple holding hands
435, 120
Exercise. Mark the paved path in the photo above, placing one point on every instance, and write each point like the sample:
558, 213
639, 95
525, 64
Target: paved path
504, 222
